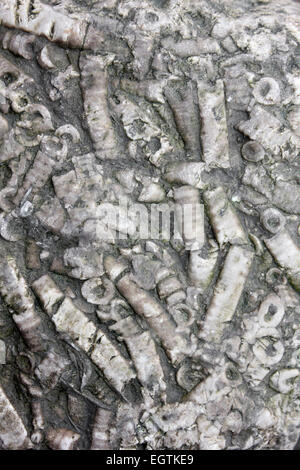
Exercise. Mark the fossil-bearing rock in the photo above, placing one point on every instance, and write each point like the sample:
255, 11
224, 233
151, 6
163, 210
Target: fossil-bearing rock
111, 336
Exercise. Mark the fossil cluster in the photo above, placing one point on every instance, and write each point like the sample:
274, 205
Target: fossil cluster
129, 342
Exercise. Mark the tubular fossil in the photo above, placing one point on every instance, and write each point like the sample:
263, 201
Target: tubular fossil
189, 217
214, 125
35, 17
287, 255
227, 292
16, 294
13, 433
225, 222
144, 355
95, 343
131, 318
95, 88
147, 307
101, 430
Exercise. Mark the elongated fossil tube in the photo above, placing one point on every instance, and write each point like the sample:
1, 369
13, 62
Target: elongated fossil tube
43, 20
144, 355
214, 131
69, 319
94, 87
287, 255
227, 292
16, 294
101, 430
189, 217
189, 173
48, 292
13, 433
225, 222
152, 311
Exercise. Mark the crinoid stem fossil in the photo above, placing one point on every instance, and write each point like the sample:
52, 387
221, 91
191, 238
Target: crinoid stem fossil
103, 422
48, 293
189, 217
19, 44
17, 296
150, 309
95, 88
144, 355
225, 222
69, 319
186, 173
43, 20
214, 131
13, 433
287, 255
271, 136
227, 292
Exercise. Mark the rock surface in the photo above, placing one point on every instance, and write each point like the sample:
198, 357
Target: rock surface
114, 113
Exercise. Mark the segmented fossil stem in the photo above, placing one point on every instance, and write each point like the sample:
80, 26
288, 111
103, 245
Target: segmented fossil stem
227, 292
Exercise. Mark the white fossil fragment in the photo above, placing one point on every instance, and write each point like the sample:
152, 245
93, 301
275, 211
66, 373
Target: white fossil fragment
227, 292
271, 311
267, 91
253, 151
273, 220
201, 268
69, 319
38, 175
94, 85
144, 355
16, 294
92, 291
149, 308
44, 58
101, 430
265, 128
268, 348
52, 215
48, 292
51, 368
114, 366
152, 193
150, 89
209, 435
214, 131
62, 439
168, 286
86, 263
189, 217
287, 255
10, 228
283, 380
191, 47
68, 129
224, 219
2, 352
43, 20
186, 173
13, 433
264, 419
19, 43
180, 97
